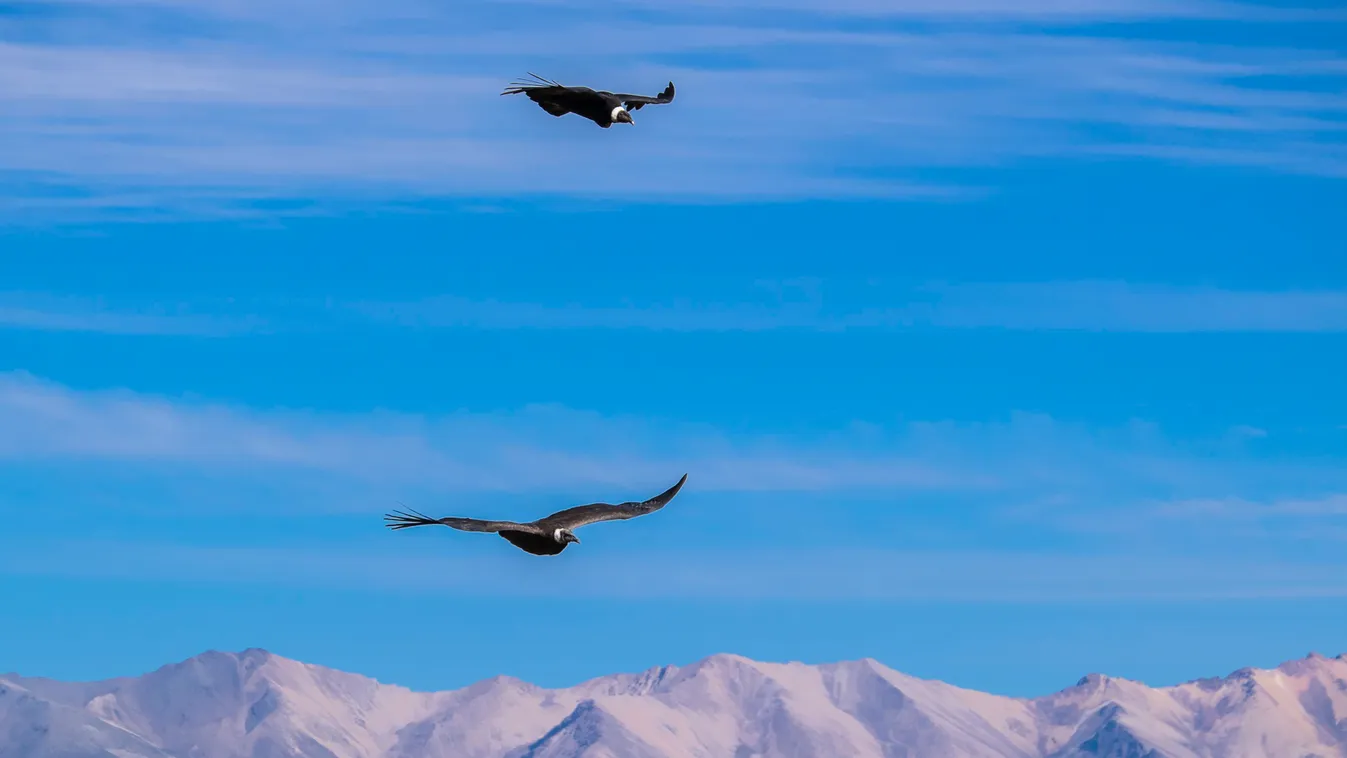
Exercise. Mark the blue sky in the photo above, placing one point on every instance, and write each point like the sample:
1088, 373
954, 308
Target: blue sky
1001, 342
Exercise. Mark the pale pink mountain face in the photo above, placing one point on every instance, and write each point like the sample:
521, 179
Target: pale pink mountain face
257, 705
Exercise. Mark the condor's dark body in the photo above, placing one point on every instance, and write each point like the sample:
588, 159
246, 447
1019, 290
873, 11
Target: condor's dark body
598, 106
538, 544
548, 535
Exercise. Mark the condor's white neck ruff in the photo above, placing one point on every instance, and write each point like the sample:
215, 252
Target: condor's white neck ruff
617, 110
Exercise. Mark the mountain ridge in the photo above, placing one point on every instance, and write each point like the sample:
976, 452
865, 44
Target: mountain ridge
256, 704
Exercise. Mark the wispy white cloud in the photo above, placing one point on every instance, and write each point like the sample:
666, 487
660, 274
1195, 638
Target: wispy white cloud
1170, 510
1083, 305
66, 314
995, 10
536, 447
1314, 518
540, 448
1119, 306
1105, 306
356, 98
1247, 510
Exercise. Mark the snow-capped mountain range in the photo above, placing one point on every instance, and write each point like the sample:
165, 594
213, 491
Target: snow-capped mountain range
258, 705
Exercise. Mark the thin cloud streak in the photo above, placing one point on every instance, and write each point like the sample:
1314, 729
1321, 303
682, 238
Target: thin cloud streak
1100, 306
800, 574
1067, 306
1122, 307
986, 10
1303, 517
1043, 11
50, 314
1239, 509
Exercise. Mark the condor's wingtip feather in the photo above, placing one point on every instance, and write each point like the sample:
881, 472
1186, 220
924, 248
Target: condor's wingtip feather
538, 81
404, 519
668, 494
545, 80
516, 87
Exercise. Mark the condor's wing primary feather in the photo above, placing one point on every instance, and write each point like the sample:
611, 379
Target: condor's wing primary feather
402, 520
636, 102
536, 83
573, 518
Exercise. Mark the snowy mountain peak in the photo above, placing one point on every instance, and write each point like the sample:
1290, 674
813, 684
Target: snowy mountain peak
255, 704
1092, 680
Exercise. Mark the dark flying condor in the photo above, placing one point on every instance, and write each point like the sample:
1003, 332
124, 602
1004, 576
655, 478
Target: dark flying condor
549, 535
603, 108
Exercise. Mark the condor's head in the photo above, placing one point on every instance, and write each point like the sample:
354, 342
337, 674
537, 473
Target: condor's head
564, 536
621, 116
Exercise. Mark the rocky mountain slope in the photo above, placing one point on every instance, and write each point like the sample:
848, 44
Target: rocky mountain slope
258, 705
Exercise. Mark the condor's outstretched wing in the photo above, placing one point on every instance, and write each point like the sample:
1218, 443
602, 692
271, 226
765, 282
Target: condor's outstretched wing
636, 102
402, 520
573, 518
